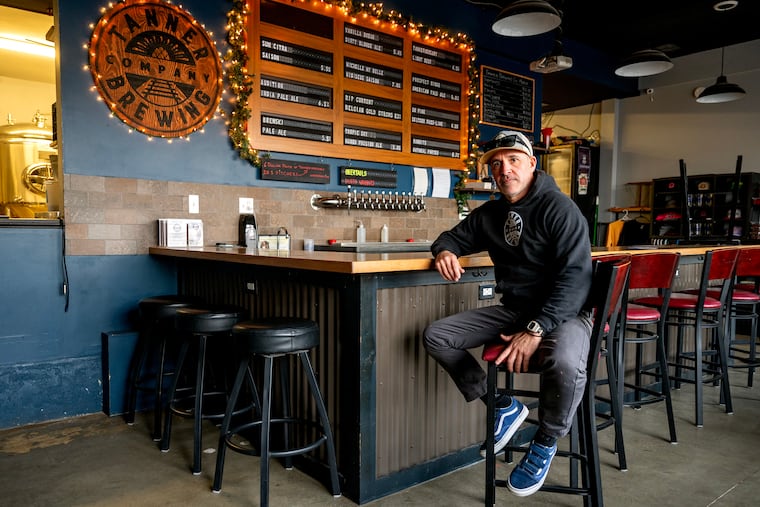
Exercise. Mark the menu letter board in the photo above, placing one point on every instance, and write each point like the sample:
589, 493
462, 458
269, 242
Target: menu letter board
374, 40
436, 88
295, 128
372, 138
436, 57
437, 147
327, 83
507, 99
289, 170
293, 91
373, 73
372, 106
297, 56
435, 117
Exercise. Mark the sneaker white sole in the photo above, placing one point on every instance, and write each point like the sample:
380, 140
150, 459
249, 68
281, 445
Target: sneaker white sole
500, 444
527, 491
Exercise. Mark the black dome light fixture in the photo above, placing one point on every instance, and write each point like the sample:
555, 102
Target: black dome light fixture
523, 18
722, 90
647, 62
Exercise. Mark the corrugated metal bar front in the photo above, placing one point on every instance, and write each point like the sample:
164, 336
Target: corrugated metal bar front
420, 413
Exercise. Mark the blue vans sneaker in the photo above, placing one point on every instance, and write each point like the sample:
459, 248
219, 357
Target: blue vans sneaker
508, 420
529, 475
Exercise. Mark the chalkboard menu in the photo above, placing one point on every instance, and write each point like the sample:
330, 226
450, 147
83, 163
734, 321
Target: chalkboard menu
355, 87
289, 170
507, 99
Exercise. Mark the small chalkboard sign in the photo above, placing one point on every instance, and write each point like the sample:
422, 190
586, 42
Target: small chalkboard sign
359, 176
507, 99
290, 170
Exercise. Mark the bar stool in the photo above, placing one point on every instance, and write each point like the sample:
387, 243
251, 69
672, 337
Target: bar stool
654, 271
276, 340
698, 311
156, 316
745, 298
199, 327
605, 301
612, 354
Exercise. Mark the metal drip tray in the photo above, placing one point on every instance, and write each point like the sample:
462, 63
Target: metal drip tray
377, 247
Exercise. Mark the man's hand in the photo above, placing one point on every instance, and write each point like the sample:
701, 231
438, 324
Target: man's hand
520, 348
448, 266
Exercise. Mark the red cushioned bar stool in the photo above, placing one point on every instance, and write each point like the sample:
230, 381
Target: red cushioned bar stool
148, 372
745, 302
276, 340
703, 311
645, 319
203, 330
605, 301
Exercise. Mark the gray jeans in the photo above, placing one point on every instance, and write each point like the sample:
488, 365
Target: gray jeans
560, 360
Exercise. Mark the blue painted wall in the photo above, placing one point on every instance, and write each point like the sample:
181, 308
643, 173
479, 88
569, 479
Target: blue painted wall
50, 355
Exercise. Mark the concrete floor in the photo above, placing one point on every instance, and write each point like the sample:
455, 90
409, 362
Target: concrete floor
100, 461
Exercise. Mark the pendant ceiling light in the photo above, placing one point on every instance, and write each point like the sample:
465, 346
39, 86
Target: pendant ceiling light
722, 90
523, 18
647, 62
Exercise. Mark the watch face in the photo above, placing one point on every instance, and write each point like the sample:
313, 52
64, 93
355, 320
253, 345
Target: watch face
535, 327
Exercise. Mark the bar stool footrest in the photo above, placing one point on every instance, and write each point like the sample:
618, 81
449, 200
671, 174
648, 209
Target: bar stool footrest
275, 453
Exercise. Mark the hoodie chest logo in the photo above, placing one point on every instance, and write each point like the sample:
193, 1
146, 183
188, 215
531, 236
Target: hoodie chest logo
513, 229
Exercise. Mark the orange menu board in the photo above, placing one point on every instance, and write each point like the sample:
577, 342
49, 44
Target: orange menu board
352, 86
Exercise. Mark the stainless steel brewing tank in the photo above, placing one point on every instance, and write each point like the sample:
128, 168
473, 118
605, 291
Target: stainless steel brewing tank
25, 168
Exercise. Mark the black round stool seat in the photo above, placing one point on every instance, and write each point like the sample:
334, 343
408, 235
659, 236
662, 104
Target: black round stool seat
278, 335
156, 317
275, 340
157, 308
201, 327
208, 319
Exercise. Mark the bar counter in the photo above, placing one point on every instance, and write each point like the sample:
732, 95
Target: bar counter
360, 263
397, 417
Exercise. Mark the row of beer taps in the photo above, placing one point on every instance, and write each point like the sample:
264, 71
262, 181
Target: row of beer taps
372, 201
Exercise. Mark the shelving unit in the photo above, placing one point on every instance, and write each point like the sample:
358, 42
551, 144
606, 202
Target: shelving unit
643, 190
710, 199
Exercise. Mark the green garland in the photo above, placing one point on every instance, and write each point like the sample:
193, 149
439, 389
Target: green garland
241, 83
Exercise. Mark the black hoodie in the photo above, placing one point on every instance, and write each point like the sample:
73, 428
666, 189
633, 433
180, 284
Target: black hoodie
540, 249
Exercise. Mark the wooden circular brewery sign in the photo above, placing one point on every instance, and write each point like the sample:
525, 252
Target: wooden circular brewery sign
156, 68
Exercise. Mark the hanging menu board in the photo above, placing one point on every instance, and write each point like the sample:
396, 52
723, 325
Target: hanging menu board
355, 87
507, 99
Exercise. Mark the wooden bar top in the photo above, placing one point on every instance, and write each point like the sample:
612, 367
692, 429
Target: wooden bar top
363, 263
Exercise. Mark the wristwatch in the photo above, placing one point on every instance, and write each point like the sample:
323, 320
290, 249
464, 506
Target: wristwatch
535, 328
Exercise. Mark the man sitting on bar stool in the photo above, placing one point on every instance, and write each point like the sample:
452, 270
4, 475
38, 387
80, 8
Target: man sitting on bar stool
538, 241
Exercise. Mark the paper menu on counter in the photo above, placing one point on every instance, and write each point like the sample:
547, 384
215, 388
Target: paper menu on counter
194, 232
180, 232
